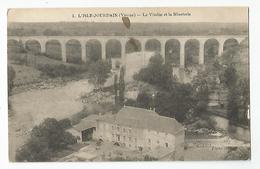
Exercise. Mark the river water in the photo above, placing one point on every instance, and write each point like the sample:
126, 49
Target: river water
32, 107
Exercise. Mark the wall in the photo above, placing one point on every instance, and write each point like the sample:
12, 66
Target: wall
155, 136
221, 122
134, 62
179, 144
238, 132
139, 137
75, 133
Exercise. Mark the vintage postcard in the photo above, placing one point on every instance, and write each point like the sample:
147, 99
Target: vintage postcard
128, 84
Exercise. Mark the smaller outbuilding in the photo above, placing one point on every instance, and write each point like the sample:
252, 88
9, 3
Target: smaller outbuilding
85, 129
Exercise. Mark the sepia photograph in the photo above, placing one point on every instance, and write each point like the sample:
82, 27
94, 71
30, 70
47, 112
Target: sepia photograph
128, 84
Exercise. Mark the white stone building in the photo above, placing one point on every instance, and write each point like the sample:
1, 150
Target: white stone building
141, 129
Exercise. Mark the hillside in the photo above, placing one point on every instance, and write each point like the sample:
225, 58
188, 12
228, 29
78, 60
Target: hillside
93, 28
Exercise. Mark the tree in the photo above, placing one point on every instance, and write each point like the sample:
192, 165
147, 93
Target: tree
99, 72
34, 150
121, 87
238, 102
65, 123
144, 100
110, 63
156, 73
233, 104
11, 77
177, 103
245, 100
173, 99
45, 138
230, 76
116, 89
200, 87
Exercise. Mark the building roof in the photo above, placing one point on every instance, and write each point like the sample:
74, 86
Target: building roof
89, 122
145, 119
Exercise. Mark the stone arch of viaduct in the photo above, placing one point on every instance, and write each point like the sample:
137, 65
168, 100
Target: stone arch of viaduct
124, 40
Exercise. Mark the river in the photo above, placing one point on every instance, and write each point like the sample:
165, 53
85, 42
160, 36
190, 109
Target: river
32, 107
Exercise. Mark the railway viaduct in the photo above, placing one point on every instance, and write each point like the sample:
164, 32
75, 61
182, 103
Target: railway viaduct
140, 44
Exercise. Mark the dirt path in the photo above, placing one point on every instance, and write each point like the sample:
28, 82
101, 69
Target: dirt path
31, 107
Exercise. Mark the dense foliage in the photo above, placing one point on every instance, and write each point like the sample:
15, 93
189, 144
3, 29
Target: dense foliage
121, 87
156, 73
45, 139
172, 99
60, 70
99, 72
11, 77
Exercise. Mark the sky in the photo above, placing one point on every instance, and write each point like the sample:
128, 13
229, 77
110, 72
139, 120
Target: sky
194, 14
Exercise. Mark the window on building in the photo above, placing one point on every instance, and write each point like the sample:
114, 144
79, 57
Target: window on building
166, 145
118, 137
118, 129
124, 130
112, 127
149, 141
130, 130
124, 138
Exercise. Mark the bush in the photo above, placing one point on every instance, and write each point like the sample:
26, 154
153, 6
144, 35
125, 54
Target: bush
45, 139
130, 102
65, 123
238, 153
60, 70
69, 139
19, 59
34, 150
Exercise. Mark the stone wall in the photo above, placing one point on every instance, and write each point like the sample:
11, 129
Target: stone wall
238, 132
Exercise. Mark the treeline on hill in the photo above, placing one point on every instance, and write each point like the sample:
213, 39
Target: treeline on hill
143, 29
